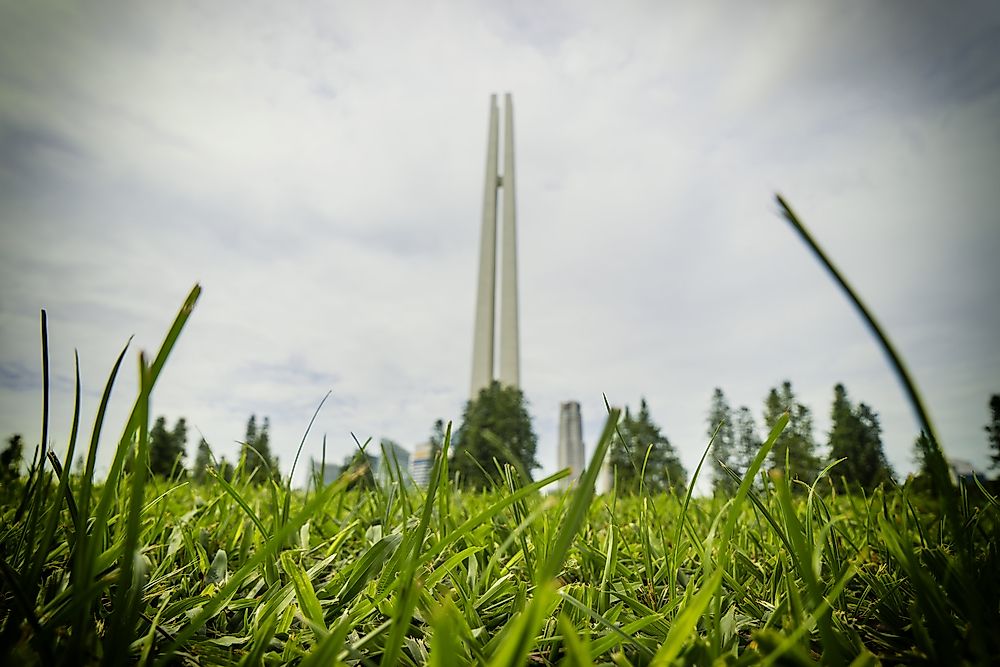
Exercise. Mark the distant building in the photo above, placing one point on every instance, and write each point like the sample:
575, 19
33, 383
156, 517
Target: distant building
421, 464
571, 454
384, 466
329, 472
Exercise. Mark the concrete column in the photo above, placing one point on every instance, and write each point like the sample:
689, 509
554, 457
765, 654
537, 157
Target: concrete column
482, 344
510, 362
570, 453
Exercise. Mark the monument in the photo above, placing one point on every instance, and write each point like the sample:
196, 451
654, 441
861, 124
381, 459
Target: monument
483, 350
570, 454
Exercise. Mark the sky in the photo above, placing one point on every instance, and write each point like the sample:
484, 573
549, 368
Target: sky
317, 168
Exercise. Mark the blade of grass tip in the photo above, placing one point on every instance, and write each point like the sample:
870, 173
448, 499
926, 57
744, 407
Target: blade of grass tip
580, 505
295, 462
124, 444
304, 592
36, 480
408, 555
36, 472
95, 542
241, 501
628, 450
63, 491
68, 494
125, 610
937, 462
444, 493
45, 393
687, 501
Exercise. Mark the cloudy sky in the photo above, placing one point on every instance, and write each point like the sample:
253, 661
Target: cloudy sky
317, 168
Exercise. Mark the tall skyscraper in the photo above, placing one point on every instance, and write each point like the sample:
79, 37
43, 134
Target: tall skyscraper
483, 350
570, 453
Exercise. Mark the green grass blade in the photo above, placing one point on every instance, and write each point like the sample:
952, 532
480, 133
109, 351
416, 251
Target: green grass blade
125, 611
304, 592
579, 505
685, 623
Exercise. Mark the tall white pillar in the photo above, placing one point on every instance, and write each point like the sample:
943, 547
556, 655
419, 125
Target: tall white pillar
510, 371
482, 342
483, 346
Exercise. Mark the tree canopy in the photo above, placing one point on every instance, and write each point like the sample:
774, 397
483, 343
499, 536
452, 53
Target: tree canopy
748, 442
10, 458
257, 450
202, 460
167, 448
720, 424
993, 431
796, 441
856, 436
495, 426
635, 437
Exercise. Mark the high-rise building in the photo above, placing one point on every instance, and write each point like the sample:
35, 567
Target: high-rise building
327, 472
483, 350
384, 467
421, 464
570, 454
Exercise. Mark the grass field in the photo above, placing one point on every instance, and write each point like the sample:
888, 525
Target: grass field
141, 570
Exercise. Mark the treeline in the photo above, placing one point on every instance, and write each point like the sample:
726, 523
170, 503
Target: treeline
496, 429
854, 443
168, 454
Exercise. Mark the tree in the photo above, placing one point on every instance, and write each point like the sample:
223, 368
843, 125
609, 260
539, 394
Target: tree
640, 436
226, 470
748, 442
10, 458
495, 426
437, 438
720, 424
167, 449
202, 460
796, 441
856, 436
926, 480
993, 431
257, 450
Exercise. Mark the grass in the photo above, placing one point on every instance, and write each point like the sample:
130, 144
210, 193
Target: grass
140, 570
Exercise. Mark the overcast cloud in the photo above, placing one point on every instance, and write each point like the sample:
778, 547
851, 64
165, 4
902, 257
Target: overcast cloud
318, 168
